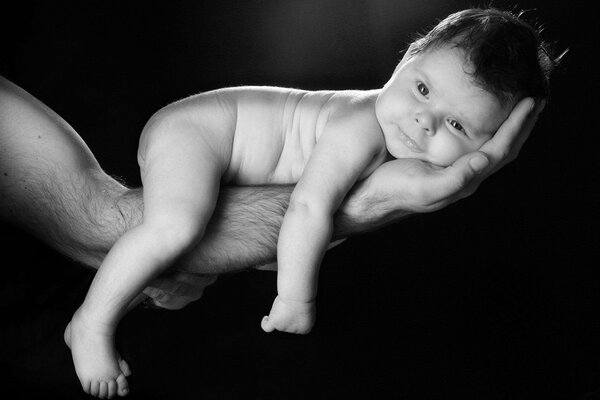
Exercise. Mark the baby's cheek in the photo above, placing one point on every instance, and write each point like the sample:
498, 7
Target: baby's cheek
445, 154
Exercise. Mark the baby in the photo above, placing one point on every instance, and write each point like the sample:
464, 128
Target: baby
451, 91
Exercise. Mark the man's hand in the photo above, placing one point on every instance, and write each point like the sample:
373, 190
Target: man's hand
405, 186
176, 290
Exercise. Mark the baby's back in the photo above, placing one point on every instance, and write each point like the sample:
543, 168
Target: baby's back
276, 131
265, 135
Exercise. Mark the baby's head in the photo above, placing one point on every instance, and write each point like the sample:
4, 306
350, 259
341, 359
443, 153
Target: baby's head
459, 82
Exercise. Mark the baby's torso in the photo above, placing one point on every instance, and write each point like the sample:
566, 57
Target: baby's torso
278, 129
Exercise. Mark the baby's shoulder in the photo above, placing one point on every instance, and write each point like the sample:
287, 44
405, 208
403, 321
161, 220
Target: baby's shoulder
354, 112
353, 106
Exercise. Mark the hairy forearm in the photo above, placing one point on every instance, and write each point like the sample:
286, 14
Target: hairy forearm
242, 232
364, 211
82, 214
244, 229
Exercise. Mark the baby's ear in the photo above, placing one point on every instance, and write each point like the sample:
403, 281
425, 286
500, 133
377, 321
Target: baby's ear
406, 57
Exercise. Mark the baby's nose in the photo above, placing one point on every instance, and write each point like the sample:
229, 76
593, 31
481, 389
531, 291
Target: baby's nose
425, 122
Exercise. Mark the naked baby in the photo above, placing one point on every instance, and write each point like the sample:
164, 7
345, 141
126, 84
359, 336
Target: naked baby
449, 94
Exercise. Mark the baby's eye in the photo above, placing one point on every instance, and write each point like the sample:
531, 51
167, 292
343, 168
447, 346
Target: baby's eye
422, 88
456, 125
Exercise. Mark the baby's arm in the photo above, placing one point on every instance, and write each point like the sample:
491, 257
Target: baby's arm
341, 155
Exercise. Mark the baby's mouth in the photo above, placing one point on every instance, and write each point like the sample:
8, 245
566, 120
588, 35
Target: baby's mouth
408, 142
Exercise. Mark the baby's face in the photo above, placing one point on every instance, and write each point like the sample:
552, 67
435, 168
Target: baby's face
431, 110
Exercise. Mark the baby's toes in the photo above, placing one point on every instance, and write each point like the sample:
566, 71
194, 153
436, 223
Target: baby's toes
124, 366
94, 388
102, 390
112, 389
266, 324
122, 385
67, 335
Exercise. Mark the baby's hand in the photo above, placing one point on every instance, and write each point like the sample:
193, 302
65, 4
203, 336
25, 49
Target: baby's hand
290, 316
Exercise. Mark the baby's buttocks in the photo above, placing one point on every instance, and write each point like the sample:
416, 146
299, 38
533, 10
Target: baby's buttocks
276, 132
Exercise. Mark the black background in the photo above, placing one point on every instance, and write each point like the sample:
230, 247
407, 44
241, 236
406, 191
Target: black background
495, 297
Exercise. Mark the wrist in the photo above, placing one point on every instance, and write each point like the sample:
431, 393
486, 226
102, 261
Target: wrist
362, 212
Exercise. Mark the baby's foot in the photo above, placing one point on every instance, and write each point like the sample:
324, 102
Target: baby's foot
290, 316
99, 367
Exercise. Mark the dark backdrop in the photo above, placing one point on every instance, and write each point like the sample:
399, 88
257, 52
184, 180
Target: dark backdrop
495, 297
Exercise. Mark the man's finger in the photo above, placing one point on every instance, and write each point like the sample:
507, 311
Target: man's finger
478, 162
195, 279
464, 171
528, 125
460, 179
515, 127
184, 284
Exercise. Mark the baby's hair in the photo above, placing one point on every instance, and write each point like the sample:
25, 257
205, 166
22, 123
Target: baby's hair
507, 55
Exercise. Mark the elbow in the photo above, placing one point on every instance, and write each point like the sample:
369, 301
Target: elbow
309, 207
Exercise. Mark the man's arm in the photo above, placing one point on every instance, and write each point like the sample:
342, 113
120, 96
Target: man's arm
52, 186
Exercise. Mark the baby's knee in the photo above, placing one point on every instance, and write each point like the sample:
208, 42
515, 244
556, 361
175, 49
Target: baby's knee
176, 235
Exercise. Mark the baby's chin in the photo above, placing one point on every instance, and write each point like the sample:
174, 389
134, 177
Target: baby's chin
437, 161
441, 162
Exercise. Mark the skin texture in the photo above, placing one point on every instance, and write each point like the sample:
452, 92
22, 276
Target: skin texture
52, 186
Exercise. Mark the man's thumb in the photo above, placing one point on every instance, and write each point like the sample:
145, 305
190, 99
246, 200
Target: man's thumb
479, 162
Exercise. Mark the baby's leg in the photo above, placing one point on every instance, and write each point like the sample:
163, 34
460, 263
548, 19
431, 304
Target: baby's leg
180, 190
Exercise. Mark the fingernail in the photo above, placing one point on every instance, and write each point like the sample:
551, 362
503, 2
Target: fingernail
478, 163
